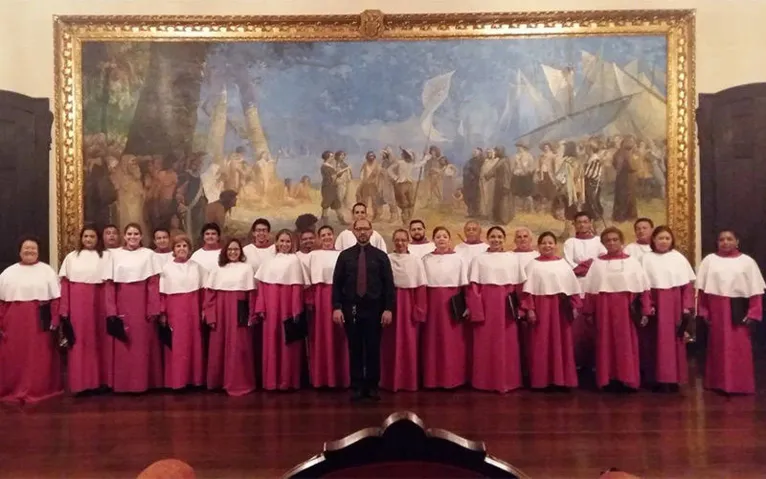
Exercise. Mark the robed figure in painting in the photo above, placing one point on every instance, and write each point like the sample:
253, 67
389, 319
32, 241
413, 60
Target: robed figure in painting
83, 274
671, 280
134, 298
550, 298
614, 283
495, 279
181, 294
730, 298
30, 368
281, 283
328, 350
399, 343
445, 337
228, 307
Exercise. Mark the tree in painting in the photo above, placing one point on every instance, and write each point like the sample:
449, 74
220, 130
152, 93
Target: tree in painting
511, 132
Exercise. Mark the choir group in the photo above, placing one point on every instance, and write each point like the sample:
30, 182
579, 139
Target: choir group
529, 318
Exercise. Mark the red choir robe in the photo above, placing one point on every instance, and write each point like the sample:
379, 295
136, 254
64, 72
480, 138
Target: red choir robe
328, 350
553, 293
207, 258
257, 256
580, 252
30, 363
281, 283
729, 357
496, 362
663, 353
134, 295
181, 295
613, 282
83, 275
231, 351
399, 365
444, 353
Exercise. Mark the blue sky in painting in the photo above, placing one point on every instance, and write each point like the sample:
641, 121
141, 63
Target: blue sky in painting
318, 96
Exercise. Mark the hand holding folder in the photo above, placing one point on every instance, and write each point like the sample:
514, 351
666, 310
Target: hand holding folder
296, 328
116, 328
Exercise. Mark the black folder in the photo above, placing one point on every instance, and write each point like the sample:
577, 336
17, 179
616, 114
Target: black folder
66, 335
296, 328
683, 326
513, 305
44, 313
458, 306
739, 307
165, 333
115, 327
243, 313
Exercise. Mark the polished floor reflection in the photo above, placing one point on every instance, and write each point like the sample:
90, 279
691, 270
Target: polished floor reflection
693, 434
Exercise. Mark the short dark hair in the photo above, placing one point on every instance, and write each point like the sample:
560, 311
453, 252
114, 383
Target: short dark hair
359, 203
643, 220
210, 226
31, 238
440, 228
496, 228
401, 230
615, 230
546, 234
99, 241
325, 227
223, 256
580, 214
418, 221
663, 229
159, 230
262, 222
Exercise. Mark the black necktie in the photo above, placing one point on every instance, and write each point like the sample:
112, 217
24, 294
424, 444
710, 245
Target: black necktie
361, 274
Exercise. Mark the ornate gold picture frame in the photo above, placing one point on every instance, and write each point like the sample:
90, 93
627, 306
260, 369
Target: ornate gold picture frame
581, 56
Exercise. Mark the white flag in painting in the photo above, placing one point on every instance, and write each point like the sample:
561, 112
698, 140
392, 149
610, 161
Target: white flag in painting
435, 91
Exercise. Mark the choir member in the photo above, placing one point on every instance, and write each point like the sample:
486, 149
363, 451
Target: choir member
399, 343
163, 252
495, 278
29, 299
550, 297
472, 246
281, 282
346, 239
444, 343
261, 249
306, 243
730, 289
524, 250
614, 283
328, 351
643, 228
83, 273
580, 252
111, 237
420, 245
228, 306
210, 252
181, 294
671, 280
133, 295
363, 296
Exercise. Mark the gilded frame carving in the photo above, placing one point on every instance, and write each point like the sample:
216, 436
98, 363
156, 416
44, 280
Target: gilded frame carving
676, 25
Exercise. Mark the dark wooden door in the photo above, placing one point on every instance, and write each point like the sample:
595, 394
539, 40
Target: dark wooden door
25, 137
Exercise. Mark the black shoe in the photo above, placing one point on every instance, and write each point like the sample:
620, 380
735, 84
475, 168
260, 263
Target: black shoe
356, 395
373, 394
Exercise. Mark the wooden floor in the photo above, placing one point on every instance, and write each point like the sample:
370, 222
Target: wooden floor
694, 434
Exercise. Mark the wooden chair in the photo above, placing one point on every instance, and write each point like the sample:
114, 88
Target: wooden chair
403, 447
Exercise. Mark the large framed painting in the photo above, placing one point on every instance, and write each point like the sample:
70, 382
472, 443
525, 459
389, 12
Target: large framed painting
505, 118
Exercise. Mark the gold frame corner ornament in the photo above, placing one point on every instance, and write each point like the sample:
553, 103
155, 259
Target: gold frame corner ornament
678, 27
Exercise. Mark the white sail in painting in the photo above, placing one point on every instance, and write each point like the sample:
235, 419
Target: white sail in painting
435, 91
561, 84
525, 107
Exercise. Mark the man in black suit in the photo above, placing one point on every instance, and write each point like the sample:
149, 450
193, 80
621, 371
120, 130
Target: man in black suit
363, 299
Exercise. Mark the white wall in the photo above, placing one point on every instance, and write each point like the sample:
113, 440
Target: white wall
730, 33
